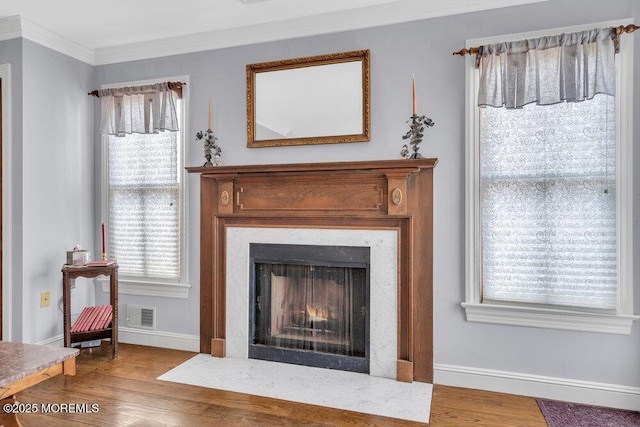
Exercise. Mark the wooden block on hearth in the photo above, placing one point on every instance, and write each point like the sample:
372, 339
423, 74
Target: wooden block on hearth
218, 348
405, 371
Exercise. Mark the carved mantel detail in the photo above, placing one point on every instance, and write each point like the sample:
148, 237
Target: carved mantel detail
385, 194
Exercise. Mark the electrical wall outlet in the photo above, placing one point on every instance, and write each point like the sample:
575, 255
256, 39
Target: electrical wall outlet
45, 299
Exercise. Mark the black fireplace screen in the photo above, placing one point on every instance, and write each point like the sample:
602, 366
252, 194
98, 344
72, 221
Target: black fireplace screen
310, 305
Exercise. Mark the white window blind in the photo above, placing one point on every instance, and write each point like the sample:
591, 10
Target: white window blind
143, 204
548, 204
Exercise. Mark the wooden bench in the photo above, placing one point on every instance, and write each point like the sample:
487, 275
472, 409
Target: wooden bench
25, 365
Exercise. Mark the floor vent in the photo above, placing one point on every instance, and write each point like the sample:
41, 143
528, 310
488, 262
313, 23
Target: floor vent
139, 316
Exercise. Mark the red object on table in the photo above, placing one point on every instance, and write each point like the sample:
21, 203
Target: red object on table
104, 249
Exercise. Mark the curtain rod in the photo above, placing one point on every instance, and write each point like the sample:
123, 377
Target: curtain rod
177, 86
619, 30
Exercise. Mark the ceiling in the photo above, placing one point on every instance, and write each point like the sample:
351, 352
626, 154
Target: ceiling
98, 28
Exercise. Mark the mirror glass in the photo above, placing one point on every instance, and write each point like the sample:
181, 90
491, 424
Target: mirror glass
313, 100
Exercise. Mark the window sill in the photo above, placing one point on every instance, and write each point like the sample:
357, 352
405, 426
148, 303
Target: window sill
149, 288
550, 318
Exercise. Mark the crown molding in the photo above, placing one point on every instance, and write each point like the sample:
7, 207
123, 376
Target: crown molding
45, 37
18, 26
346, 20
10, 28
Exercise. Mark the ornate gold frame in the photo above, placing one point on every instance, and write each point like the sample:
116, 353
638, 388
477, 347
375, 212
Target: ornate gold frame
310, 61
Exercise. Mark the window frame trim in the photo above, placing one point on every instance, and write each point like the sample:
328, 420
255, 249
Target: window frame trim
153, 286
552, 317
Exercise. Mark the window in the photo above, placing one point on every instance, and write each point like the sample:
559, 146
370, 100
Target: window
144, 206
549, 207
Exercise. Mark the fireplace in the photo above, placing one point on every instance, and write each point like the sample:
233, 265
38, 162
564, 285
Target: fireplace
310, 305
370, 204
383, 275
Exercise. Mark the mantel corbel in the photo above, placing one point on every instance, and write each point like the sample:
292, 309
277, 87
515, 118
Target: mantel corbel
397, 188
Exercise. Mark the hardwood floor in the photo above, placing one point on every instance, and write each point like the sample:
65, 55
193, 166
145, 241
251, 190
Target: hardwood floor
127, 394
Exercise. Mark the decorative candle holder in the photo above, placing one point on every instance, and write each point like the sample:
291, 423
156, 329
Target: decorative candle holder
210, 146
417, 124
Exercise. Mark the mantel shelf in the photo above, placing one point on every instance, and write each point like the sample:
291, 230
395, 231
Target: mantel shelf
317, 167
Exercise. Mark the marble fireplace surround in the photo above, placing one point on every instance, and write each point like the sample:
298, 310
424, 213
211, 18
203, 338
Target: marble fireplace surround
386, 205
383, 285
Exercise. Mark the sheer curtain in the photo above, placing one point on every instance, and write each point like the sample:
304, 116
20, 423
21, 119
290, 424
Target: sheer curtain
139, 109
548, 70
548, 171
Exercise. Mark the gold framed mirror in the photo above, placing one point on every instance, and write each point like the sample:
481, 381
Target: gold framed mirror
320, 99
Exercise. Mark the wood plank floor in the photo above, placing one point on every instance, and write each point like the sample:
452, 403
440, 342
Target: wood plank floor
127, 394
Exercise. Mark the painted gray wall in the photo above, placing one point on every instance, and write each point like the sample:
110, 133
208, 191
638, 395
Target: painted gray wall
11, 53
52, 163
421, 47
424, 48
57, 163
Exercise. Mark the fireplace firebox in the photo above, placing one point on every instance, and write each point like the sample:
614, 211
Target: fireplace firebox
310, 305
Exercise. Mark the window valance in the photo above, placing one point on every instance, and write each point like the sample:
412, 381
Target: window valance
139, 109
577, 67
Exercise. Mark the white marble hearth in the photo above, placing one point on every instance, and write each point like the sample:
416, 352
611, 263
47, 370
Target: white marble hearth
334, 389
383, 246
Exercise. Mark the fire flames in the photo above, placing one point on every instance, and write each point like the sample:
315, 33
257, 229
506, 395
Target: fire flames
316, 314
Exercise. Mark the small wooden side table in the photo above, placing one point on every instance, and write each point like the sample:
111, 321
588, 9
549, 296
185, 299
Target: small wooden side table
72, 272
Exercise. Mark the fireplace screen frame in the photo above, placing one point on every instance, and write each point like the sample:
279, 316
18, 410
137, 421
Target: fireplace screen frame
321, 256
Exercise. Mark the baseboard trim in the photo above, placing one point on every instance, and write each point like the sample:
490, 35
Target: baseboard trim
592, 393
53, 341
159, 339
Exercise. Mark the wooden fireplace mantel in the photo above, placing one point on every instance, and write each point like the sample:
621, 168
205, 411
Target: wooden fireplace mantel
378, 194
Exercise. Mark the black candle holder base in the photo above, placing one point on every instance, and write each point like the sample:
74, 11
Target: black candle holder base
211, 148
417, 124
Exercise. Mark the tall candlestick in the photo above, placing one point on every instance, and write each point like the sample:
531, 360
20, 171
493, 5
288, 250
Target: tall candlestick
415, 104
209, 116
104, 248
